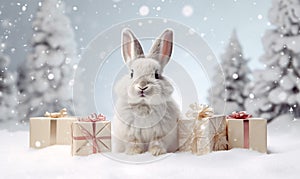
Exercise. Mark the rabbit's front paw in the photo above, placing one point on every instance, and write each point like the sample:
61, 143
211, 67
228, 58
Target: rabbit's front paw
134, 149
157, 150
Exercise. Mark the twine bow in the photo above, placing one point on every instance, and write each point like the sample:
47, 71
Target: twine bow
62, 113
239, 115
199, 111
93, 118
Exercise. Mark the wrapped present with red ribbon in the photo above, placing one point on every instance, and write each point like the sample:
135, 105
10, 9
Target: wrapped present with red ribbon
91, 135
244, 131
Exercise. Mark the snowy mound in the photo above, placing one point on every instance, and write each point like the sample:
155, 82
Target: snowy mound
18, 161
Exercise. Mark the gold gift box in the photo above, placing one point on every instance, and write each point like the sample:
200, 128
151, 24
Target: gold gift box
91, 137
247, 133
45, 131
202, 136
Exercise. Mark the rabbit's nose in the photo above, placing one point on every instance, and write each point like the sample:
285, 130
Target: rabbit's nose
143, 88
143, 84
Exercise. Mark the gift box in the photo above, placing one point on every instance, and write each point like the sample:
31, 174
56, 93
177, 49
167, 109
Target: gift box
246, 132
203, 132
91, 135
45, 131
185, 132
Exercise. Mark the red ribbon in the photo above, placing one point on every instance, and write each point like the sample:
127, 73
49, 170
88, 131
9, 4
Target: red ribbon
244, 116
239, 115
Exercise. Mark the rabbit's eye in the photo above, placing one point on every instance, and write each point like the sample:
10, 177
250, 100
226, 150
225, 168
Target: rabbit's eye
156, 75
131, 74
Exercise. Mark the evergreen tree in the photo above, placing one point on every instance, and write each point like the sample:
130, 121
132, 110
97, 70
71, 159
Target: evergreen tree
275, 90
8, 91
230, 96
45, 78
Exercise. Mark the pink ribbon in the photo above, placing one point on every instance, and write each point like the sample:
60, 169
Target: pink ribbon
92, 136
244, 116
93, 118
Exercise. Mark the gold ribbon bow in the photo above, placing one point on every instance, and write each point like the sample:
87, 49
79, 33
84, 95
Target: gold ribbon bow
199, 111
62, 113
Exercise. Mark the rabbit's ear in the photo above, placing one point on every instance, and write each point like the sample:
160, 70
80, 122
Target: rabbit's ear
162, 48
131, 47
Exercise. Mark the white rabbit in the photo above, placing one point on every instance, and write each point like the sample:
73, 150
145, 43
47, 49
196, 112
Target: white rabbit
146, 115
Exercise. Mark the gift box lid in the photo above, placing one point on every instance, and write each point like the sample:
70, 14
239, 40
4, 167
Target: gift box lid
51, 118
252, 118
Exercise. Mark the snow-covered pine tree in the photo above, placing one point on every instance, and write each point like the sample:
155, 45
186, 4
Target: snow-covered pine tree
235, 71
8, 90
45, 78
276, 88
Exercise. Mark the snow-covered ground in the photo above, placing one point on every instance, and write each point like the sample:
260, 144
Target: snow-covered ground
19, 161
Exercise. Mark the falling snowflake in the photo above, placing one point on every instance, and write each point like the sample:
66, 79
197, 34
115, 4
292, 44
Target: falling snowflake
50, 76
38, 144
235, 76
24, 8
251, 96
75, 8
144, 10
71, 82
75, 66
259, 16
2, 45
187, 10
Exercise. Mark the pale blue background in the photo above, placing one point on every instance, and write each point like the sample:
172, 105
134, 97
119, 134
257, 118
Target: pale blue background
211, 18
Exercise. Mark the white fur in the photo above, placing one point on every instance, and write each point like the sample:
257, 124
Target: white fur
146, 123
